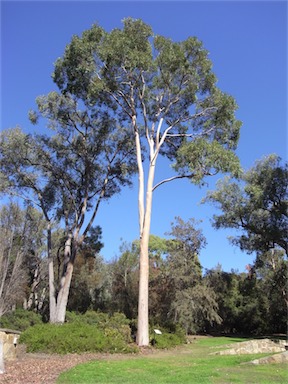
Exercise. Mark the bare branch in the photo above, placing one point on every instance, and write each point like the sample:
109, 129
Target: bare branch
190, 176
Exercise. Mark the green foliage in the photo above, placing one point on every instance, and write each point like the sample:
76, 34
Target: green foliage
103, 321
192, 303
90, 283
124, 281
94, 332
250, 303
257, 206
20, 320
168, 339
202, 158
132, 69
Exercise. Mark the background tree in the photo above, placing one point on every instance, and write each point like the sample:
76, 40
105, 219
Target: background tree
257, 206
166, 93
93, 163
21, 175
67, 175
271, 271
192, 301
89, 275
252, 302
228, 297
21, 248
125, 279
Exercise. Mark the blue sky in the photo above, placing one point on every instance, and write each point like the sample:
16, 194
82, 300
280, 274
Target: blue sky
247, 41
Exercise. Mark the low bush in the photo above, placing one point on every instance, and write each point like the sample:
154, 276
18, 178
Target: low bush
89, 332
168, 339
108, 323
74, 338
20, 319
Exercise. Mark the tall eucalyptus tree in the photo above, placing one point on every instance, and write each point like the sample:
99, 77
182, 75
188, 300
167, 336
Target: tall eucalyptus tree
163, 91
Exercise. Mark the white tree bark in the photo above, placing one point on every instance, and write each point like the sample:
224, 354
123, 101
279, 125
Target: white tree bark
143, 303
145, 212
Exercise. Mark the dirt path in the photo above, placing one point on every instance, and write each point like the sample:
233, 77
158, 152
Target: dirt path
41, 368
44, 369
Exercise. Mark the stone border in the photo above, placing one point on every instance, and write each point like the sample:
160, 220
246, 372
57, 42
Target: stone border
9, 340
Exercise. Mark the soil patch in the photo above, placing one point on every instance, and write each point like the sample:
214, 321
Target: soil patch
44, 369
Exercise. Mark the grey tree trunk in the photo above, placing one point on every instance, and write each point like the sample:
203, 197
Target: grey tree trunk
52, 299
2, 368
62, 299
59, 306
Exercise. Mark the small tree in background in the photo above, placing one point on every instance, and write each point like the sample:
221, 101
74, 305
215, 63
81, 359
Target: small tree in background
193, 303
258, 207
21, 251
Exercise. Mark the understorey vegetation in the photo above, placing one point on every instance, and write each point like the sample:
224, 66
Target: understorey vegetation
91, 332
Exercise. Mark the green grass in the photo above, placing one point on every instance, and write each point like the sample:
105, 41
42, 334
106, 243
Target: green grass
187, 364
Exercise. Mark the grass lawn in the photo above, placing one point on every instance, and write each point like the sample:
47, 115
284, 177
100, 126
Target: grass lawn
190, 363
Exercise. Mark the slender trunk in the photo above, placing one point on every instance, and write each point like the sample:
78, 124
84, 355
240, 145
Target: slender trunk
140, 177
143, 288
2, 369
52, 298
143, 303
42, 299
33, 298
5, 264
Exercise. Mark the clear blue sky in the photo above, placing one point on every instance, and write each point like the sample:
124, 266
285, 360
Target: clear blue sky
247, 41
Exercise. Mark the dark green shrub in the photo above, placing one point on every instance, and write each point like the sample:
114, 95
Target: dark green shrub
103, 321
74, 338
168, 339
20, 319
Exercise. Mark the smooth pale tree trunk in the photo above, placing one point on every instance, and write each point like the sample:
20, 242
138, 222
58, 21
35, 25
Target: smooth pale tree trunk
143, 300
145, 212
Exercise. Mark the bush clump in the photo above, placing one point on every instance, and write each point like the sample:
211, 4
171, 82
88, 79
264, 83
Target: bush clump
92, 332
107, 323
168, 339
20, 319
